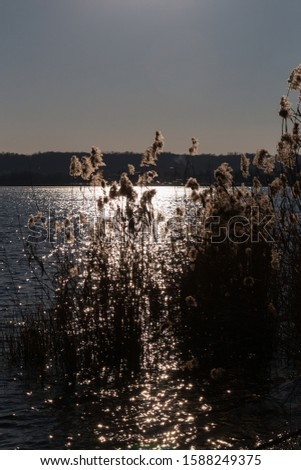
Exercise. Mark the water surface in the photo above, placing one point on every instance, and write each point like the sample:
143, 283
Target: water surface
164, 405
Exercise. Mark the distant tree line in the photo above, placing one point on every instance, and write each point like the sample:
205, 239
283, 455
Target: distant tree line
52, 168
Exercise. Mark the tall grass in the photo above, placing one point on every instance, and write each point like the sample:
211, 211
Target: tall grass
223, 274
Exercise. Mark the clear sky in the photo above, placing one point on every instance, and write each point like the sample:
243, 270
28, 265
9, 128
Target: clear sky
77, 73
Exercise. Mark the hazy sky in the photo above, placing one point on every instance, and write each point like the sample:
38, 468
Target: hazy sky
77, 73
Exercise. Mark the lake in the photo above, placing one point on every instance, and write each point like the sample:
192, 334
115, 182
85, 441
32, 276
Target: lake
163, 405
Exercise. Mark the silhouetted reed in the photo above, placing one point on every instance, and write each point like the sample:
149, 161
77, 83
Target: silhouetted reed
222, 274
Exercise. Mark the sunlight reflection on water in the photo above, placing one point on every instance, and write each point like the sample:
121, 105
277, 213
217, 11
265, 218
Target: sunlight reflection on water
164, 405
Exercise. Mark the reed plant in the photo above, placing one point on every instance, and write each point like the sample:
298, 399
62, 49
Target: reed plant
107, 285
222, 275
242, 289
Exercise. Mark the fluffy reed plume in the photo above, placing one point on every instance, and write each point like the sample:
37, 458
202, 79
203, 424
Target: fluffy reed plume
96, 158
114, 191
147, 196
294, 78
194, 147
224, 175
256, 184
150, 155
75, 166
87, 166
195, 195
275, 186
244, 166
98, 180
289, 145
192, 184
126, 188
131, 169
147, 178
264, 161
296, 135
286, 151
285, 110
